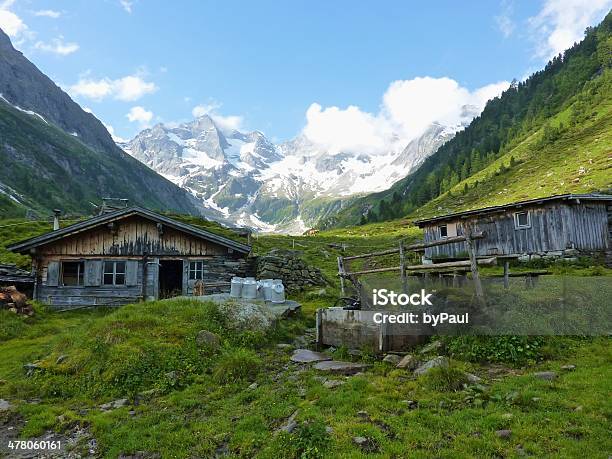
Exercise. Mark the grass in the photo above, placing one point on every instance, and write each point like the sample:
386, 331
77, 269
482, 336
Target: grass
129, 351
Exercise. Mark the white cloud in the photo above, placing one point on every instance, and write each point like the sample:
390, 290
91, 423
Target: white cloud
57, 46
12, 24
139, 114
504, 21
128, 88
127, 5
227, 123
408, 108
561, 23
48, 13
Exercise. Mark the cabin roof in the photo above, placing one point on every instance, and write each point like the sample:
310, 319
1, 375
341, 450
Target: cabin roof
106, 218
514, 205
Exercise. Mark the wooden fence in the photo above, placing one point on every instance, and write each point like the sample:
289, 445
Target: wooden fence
454, 267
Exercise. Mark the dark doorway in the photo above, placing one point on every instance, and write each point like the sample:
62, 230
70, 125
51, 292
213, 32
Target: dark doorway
170, 278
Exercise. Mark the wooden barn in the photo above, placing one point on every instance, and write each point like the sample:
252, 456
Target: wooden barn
129, 255
567, 226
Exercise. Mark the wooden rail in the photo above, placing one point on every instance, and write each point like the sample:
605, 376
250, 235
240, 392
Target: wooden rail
471, 264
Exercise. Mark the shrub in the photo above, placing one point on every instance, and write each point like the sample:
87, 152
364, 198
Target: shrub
236, 364
444, 378
515, 350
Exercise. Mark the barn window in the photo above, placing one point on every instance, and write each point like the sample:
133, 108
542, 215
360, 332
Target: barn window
196, 270
522, 220
72, 273
114, 273
443, 231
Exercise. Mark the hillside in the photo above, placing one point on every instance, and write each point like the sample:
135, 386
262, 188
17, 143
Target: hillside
559, 117
54, 154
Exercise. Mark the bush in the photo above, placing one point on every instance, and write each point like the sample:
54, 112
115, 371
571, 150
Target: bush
444, 379
516, 350
236, 364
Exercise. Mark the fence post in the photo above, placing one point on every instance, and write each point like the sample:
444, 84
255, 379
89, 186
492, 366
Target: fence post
506, 274
403, 267
341, 273
469, 242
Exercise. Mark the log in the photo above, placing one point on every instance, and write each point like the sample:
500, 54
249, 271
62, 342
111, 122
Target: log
453, 264
449, 240
369, 271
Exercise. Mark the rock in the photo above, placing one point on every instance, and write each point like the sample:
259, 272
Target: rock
290, 424
433, 363
253, 386
473, 379
60, 359
329, 429
355, 352
31, 368
434, 346
546, 375
408, 362
114, 404
411, 404
504, 433
172, 377
4, 405
284, 346
507, 416
392, 359
579, 408
307, 356
366, 444
363, 414
568, 367
337, 367
204, 338
332, 383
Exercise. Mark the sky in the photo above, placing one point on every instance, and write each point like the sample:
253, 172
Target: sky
347, 74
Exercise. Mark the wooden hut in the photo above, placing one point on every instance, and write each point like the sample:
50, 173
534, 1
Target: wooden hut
566, 225
128, 255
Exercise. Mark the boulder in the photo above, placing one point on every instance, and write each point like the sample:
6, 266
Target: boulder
392, 359
408, 362
472, 379
337, 367
546, 375
204, 338
308, 356
4, 405
332, 383
433, 363
503, 433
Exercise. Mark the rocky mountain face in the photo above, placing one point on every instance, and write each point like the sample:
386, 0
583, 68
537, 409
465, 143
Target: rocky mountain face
54, 154
250, 181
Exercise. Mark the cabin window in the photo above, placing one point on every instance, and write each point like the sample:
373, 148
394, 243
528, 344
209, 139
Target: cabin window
443, 231
196, 270
522, 220
72, 273
114, 273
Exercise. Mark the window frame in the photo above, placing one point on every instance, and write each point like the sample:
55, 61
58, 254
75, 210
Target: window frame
80, 273
196, 270
445, 226
114, 273
517, 224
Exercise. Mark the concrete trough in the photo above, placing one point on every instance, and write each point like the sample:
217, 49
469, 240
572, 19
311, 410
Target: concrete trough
356, 329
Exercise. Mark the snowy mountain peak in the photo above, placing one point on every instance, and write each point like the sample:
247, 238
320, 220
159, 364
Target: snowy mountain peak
245, 178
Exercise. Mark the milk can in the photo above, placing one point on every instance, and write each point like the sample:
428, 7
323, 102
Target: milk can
266, 287
236, 287
249, 288
278, 291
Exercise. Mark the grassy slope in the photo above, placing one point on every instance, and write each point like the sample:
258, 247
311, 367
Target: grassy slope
116, 353
541, 170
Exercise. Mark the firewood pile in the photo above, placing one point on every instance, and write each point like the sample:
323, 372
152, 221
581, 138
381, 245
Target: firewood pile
15, 301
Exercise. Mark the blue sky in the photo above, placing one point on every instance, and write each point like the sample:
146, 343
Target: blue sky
262, 65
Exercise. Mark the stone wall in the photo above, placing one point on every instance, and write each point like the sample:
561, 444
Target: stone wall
287, 265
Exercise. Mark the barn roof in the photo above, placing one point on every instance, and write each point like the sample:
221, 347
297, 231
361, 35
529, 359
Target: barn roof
85, 225
514, 205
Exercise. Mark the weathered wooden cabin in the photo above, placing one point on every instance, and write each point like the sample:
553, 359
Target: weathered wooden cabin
567, 225
128, 255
